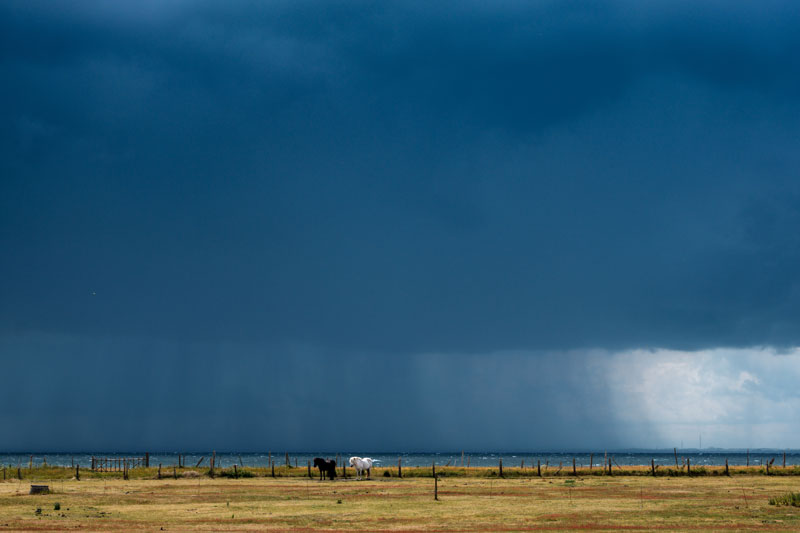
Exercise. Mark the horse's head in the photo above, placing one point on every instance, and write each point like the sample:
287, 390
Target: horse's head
353, 461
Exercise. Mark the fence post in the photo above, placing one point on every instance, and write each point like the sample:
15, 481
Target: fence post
287, 460
748, 457
309, 467
726, 467
784, 459
653, 466
462, 458
399, 467
591, 461
574, 471
609, 467
19, 472
77, 472
539, 467
433, 468
675, 451
501, 467
235, 471
174, 472
147, 459
159, 471
435, 487
273, 468
688, 466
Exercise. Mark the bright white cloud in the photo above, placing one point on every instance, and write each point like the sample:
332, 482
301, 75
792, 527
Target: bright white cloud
732, 397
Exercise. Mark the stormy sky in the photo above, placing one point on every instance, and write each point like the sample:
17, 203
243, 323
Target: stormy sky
399, 226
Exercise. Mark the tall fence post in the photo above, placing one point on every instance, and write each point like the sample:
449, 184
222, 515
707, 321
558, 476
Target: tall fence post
435, 487
675, 451
609, 467
539, 467
726, 467
77, 472
501, 467
399, 467
287, 460
433, 468
748, 457
591, 461
309, 467
574, 470
653, 467
273, 468
147, 459
688, 466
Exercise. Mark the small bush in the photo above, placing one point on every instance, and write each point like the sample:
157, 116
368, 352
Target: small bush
790, 498
229, 473
57, 507
386, 473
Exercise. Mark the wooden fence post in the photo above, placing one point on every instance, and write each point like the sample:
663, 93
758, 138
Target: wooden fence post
159, 471
574, 471
501, 467
174, 472
77, 472
309, 468
748, 457
462, 458
19, 472
235, 471
147, 459
726, 467
539, 467
435, 487
653, 466
675, 450
273, 468
609, 467
688, 466
591, 461
433, 468
399, 467
522, 465
287, 460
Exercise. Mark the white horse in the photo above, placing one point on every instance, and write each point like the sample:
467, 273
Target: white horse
361, 464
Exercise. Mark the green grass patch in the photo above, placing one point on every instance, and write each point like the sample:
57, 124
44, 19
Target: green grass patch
790, 498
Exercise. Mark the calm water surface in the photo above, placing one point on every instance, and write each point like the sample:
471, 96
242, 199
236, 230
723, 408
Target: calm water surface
224, 459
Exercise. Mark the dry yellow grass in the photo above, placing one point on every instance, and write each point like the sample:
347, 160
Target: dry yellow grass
466, 503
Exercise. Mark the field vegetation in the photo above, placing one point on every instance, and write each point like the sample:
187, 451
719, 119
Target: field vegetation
474, 499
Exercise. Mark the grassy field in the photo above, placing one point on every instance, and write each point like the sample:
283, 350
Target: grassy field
480, 501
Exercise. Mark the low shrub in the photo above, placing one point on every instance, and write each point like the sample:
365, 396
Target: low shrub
790, 498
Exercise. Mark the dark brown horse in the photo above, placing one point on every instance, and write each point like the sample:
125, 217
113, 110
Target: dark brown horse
326, 468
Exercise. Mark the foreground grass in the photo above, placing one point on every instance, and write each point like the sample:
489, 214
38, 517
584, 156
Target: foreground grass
465, 503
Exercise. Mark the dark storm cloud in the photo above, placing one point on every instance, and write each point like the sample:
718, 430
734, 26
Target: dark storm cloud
400, 177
